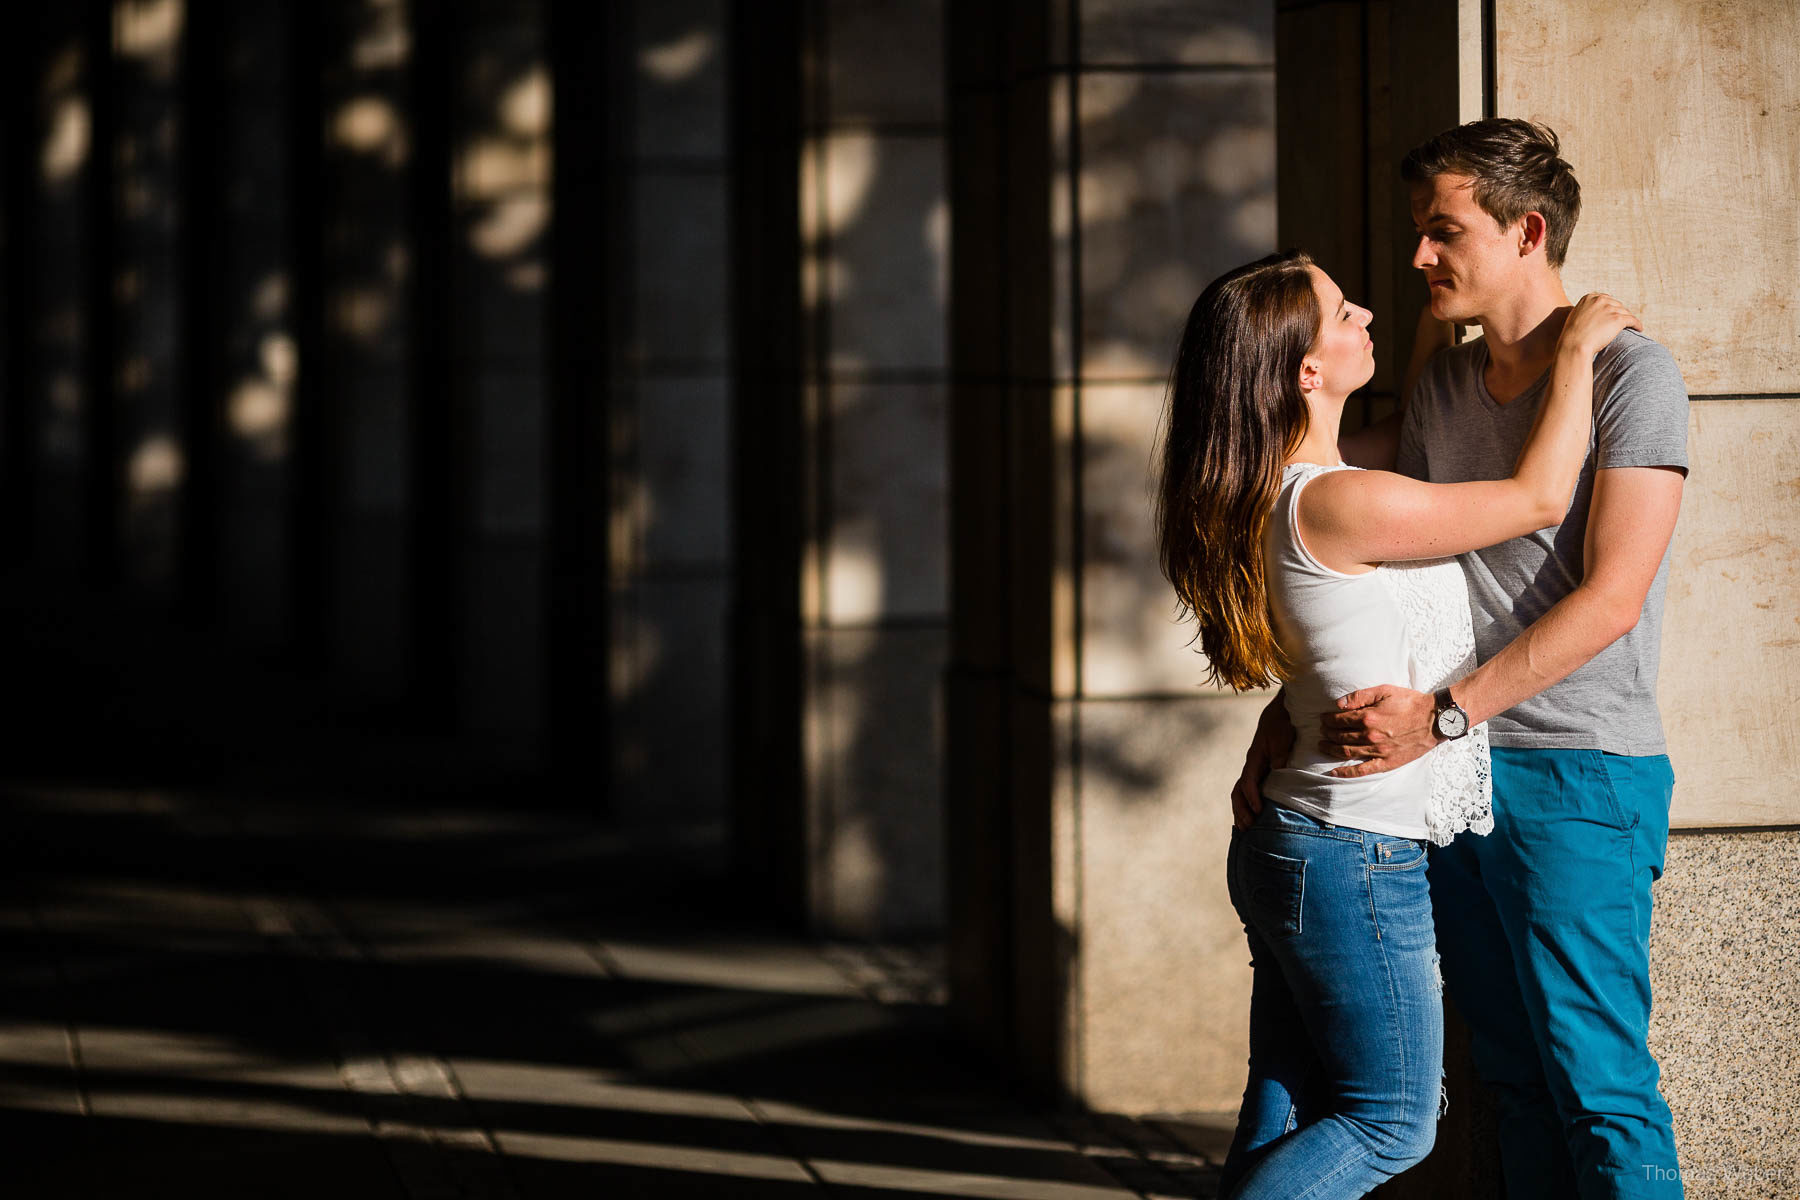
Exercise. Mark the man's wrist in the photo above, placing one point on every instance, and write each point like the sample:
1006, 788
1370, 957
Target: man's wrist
1466, 692
1449, 719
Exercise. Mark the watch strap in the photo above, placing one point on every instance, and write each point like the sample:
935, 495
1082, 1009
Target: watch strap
1444, 703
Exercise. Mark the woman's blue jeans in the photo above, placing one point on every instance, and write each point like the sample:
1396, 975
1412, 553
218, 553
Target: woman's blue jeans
1346, 1011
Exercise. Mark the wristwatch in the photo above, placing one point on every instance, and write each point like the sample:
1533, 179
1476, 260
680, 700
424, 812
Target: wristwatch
1449, 721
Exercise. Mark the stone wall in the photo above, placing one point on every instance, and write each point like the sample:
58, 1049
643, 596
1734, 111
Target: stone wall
1678, 198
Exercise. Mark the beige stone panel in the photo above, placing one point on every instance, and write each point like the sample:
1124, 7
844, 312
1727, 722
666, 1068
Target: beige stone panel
1164, 981
885, 60
1042, 486
885, 261
1065, 891
1683, 122
1063, 190
1175, 184
1170, 32
680, 94
681, 496
815, 548
875, 730
683, 256
509, 454
1064, 579
503, 648
1730, 677
499, 301
1131, 642
669, 685
889, 503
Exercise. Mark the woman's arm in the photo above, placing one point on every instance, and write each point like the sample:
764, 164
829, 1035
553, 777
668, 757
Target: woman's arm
1377, 446
1352, 518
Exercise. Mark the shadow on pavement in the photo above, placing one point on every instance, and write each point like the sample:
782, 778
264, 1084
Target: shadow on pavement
247, 953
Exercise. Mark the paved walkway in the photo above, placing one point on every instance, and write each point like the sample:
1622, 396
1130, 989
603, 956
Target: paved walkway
215, 993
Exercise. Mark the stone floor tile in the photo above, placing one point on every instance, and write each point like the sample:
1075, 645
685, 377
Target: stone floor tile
946, 1183
740, 964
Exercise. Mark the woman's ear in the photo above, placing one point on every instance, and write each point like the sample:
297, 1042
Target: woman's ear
1311, 377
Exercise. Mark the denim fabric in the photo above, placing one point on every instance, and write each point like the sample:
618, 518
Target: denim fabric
1545, 931
1346, 1017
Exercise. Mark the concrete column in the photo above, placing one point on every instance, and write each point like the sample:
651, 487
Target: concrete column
241, 352
672, 417
1005, 990
1133, 147
20, 138
840, 219
151, 457
874, 221
438, 500
499, 109
587, 211
51, 249
98, 321
358, 374
19, 210
767, 813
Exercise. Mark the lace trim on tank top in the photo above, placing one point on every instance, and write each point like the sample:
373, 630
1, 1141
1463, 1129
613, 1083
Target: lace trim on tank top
1433, 600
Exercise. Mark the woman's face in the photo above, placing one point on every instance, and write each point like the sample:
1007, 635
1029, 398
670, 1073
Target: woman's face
1342, 357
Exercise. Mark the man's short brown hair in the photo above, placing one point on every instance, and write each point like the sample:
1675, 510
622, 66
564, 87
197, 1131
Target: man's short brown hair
1517, 169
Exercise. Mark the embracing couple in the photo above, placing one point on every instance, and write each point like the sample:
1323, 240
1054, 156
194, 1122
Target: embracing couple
1463, 605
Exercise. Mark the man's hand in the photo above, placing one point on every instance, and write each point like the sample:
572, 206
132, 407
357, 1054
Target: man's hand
1269, 749
1378, 729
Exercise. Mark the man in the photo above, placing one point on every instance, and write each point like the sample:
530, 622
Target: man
1543, 924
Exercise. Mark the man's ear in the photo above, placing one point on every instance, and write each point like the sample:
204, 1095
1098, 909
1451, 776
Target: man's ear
1533, 231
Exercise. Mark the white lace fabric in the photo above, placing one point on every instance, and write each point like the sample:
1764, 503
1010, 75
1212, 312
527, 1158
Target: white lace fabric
1434, 602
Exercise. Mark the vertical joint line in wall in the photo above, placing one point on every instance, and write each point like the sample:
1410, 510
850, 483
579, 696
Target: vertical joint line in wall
1076, 1069
1488, 68
1370, 216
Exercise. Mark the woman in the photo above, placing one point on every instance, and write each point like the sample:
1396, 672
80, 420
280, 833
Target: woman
1331, 578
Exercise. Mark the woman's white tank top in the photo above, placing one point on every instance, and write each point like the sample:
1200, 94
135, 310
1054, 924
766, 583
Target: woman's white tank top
1404, 623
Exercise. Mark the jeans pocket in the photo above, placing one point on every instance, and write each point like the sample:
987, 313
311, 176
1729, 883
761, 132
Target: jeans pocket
1272, 888
1398, 855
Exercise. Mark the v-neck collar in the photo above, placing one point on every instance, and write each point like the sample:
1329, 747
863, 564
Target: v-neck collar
1533, 390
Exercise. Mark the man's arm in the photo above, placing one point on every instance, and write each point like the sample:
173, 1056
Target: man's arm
1269, 750
1630, 522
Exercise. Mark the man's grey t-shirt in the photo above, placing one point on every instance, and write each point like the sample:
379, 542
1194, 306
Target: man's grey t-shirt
1455, 432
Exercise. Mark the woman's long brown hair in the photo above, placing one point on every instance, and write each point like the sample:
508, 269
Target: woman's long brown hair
1234, 414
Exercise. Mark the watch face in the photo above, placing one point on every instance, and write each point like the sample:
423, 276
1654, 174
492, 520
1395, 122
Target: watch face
1452, 722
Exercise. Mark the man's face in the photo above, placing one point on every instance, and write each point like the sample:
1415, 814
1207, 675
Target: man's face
1469, 261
